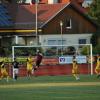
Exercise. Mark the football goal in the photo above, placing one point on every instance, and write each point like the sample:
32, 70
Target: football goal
64, 53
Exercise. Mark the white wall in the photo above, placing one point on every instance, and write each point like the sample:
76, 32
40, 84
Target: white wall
21, 40
28, 1
18, 40
52, 1
43, 39
70, 39
31, 41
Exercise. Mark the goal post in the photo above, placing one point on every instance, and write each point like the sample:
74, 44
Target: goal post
52, 51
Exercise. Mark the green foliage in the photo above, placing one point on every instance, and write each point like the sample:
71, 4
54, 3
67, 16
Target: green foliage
95, 11
85, 50
94, 39
96, 49
95, 15
50, 51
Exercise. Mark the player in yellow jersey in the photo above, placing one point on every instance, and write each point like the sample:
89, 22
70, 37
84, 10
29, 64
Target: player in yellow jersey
75, 70
29, 65
4, 73
97, 69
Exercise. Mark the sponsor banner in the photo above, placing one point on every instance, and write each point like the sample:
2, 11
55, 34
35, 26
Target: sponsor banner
81, 59
63, 60
68, 59
50, 61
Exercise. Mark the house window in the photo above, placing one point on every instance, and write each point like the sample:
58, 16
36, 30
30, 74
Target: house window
82, 41
33, 1
56, 42
69, 23
52, 42
61, 42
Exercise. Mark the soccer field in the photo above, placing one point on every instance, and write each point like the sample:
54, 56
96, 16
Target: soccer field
51, 88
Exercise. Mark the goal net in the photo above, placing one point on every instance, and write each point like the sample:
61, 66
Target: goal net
57, 54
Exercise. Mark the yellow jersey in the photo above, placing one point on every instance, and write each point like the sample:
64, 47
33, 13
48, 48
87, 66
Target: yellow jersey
29, 63
3, 70
98, 63
75, 69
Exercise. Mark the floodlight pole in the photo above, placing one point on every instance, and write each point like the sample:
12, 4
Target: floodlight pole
36, 26
91, 59
61, 30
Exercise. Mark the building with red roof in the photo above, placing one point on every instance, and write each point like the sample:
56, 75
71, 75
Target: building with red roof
76, 26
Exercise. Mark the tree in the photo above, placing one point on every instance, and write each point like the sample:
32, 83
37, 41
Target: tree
94, 12
96, 49
94, 39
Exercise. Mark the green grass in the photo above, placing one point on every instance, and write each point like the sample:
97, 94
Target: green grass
51, 88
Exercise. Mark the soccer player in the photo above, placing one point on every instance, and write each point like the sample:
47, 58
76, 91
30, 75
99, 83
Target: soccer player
4, 73
97, 69
74, 58
15, 65
29, 65
39, 57
75, 70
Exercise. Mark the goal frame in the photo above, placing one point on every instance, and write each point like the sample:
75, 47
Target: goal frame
37, 46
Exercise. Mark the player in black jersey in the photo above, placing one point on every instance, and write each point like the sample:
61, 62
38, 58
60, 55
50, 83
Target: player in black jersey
15, 65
